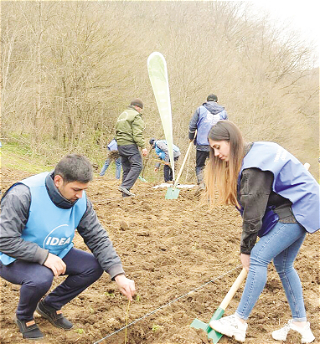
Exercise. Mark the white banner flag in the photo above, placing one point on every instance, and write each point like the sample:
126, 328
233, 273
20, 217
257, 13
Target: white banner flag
158, 74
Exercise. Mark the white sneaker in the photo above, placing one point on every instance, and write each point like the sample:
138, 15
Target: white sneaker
230, 326
306, 334
283, 332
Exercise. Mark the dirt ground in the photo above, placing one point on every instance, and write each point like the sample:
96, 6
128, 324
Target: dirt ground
169, 248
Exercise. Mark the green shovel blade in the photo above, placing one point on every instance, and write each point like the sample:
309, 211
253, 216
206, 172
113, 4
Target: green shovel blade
142, 179
214, 335
172, 193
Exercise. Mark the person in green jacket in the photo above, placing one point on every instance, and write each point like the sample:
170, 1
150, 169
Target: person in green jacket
129, 137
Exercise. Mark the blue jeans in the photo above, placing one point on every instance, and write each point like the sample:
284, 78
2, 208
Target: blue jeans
106, 165
83, 269
281, 244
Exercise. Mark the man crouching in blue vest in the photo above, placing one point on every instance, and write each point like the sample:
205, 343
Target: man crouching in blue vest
39, 216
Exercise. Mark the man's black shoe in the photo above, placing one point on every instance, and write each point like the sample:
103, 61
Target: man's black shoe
54, 316
29, 329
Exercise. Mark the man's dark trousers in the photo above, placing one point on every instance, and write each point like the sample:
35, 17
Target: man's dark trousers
167, 171
83, 269
201, 157
131, 164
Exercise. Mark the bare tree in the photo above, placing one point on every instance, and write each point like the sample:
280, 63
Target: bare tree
70, 68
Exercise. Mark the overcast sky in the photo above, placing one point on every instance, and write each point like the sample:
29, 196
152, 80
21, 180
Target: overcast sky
303, 16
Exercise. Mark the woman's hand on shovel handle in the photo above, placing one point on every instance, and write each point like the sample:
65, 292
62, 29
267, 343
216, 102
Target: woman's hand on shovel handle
245, 260
126, 286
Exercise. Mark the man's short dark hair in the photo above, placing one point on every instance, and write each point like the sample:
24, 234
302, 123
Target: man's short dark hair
137, 102
152, 141
212, 98
74, 167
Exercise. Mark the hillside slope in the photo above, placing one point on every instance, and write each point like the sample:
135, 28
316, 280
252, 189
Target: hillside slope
169, 247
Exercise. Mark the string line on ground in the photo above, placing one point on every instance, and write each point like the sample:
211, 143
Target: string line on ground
165, 305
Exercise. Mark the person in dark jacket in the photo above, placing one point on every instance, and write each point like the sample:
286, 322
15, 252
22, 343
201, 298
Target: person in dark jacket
39, 216
206, 115
279, 202
129, 137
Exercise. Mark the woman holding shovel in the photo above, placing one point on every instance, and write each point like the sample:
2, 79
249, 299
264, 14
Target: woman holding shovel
279, 202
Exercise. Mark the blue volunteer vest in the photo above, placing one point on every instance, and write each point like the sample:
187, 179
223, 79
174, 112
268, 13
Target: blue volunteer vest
205, 122
49, 226
291, 181
161, 153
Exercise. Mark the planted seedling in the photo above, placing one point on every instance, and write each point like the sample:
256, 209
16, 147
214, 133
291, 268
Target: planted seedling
109, 294
79, 330
156, 328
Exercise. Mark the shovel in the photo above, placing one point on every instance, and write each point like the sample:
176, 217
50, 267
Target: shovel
212, 334
173, 191
142, 179
145, 162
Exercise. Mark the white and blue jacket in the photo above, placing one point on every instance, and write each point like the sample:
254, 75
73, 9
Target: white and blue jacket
161, 149
206, 115
113, 146
291, 181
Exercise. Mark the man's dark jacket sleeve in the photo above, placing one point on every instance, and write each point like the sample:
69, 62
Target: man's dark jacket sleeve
99, 243
193, 124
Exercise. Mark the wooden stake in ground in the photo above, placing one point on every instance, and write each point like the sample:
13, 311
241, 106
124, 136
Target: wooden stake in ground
127, 320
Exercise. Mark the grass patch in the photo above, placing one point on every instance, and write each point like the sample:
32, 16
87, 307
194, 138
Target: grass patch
15, 156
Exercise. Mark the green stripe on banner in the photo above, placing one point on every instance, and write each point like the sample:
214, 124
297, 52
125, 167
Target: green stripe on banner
158, 74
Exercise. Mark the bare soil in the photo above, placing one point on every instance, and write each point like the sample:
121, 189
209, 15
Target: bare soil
169, 248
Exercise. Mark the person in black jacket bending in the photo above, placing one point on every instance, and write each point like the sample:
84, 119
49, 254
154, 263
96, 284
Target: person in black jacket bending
39, 216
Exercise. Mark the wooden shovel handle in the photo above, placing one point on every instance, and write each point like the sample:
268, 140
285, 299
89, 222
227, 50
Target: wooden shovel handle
183, 163
233, 289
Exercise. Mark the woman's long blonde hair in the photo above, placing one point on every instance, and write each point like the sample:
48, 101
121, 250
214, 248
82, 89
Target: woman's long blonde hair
220, 176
